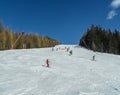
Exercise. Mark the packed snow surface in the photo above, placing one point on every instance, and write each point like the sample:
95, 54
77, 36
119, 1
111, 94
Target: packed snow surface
24, 72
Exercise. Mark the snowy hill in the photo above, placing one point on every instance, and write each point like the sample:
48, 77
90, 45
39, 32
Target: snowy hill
23, 72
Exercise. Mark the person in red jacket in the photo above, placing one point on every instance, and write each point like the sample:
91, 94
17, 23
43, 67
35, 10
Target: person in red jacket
47, 63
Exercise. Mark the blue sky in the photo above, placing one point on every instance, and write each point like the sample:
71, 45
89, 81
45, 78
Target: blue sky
64, 20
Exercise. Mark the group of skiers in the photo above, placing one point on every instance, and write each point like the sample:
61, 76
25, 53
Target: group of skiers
67, 49
56, 49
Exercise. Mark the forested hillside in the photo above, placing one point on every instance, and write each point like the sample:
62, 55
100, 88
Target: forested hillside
101, 40
18, 40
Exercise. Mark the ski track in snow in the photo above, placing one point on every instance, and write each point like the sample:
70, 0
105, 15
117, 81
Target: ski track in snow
24, 72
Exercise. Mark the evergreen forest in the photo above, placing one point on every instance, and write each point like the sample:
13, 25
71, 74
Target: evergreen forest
101, 40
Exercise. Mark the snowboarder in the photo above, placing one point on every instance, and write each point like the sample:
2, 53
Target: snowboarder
47, 63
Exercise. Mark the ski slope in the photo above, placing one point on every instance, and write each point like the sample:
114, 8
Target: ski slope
23, 72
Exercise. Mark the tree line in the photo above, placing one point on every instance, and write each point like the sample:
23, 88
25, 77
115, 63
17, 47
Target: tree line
9, 39
101, 40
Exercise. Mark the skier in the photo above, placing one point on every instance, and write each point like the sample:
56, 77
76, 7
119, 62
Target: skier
52, 48
56, 49
93, 57
68, 49
47, 63
70, 53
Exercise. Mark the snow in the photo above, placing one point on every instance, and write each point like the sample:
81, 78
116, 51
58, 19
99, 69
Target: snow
23, 72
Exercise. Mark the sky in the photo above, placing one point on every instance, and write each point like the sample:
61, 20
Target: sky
63, 20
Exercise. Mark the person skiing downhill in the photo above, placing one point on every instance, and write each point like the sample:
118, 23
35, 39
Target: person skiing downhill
52, 48
70, 53
47, 63
93, 57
